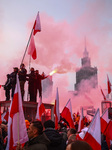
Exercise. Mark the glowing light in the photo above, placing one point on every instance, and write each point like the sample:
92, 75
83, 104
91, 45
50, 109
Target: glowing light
51, 73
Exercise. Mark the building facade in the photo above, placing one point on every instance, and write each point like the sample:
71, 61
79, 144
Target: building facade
86, 76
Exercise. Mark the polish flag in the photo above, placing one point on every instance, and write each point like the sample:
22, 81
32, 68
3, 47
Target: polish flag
93, 135
17, 131
5, 116
109, 85
106, 127
81, 121
32, 48
37, 25
67, 114
103, 94
80, 136
108, 133
104, 121
56, 110
40, 109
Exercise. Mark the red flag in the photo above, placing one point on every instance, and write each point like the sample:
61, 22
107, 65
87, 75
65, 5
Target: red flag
5, 116
108, 131
103, 94
104, 121
81, 121
81, 135
40, 109
109, 85
67, 114
106, 127
0, 86
17, 131
37, 25
56, 110
32, 48
93, 135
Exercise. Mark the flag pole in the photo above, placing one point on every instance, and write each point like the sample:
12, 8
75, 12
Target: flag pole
29, 72
17, 113
18, 125
27, 46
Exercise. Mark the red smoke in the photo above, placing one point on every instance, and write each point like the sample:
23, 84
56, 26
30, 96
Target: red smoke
60, 45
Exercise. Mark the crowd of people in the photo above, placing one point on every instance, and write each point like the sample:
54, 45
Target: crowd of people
44, 136
34, 82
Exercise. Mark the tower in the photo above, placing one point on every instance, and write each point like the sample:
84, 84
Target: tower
86, 77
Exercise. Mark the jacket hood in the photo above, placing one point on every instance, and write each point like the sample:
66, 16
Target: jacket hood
54, 136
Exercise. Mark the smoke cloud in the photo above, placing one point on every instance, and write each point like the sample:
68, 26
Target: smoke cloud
60, 46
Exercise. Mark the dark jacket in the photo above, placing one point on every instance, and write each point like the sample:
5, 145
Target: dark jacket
56, 140
31, 82
38, 143
22, 74
38, 80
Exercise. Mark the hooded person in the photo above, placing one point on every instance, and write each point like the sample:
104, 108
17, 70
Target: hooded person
56, 140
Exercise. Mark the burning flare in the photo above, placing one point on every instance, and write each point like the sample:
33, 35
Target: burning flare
54, 71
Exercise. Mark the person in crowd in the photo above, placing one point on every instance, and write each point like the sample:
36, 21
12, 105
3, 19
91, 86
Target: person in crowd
111, 147
38, 82
62, 129
71, 134
37, 140
71, 139
7, 87
32, 85
56, 140
104, 145
1, 140
71, 131
22, 78
79, 145
13, 79
4, 134
76, 125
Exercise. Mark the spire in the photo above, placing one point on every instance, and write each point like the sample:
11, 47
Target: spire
86, 60
85, 53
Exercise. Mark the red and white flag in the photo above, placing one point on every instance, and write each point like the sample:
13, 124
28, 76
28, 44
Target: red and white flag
56, 110
103, 94
104, 121
5, 116
67, 114
106, 127
40, 109
109, 85
93, 135
32, 48
17, 131
37, 25
81, 121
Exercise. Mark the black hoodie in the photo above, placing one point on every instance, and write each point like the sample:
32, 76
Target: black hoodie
56, 140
